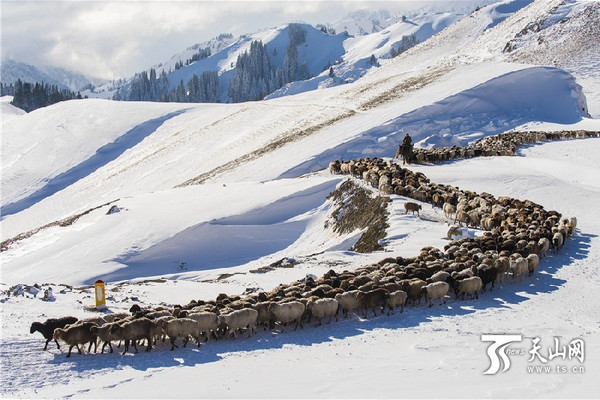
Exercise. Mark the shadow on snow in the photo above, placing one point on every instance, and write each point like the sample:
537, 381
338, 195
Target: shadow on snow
105, 154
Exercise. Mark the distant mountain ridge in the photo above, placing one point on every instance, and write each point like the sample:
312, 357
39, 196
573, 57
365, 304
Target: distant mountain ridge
11, 71
323, 57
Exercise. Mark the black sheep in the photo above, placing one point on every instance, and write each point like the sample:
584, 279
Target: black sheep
47, 328
488, 274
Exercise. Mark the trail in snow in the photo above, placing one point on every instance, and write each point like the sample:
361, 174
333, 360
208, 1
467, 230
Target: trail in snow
103, 156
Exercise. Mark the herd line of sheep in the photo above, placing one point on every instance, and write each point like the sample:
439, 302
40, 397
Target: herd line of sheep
505, 144
518, 234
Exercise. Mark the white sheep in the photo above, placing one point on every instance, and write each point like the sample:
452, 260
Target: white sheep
238, 320
348, 301
449, 210
439, 276
452, 232
502, 265
396, 299
557, 241
207, 321
180, 327
518, 267
288, 312
572, 224
470, 286
465, 273
435, 290
323, 308
532, 263
544, 246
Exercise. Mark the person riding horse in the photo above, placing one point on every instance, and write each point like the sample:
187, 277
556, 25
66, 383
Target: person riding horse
406, 149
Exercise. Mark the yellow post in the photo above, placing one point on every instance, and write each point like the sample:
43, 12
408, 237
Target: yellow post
99, 290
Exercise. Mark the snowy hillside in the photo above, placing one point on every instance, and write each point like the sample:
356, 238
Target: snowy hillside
7, 110
168, 202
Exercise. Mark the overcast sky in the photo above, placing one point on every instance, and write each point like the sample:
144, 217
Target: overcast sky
110, 39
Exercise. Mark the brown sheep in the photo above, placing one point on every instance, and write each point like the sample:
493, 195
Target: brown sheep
79, 333
412, 207
373, 299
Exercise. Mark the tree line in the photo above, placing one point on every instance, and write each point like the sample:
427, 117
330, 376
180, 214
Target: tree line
31, 96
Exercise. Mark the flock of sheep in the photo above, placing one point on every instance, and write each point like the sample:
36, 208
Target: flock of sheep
518, 233
504, 144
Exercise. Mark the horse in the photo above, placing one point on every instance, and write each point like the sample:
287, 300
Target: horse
406, 149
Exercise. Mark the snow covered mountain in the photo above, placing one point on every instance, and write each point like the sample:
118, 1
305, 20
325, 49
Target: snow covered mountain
233, 198
11, 71
348, 54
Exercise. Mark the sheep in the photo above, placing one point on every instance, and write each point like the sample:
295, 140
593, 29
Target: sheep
158, 314
532, 263
396, 299
264, 317
412, 207
557, 241
488, 274
116, 316
572, 224
239, 319
348, 301
161, 335
47, 328
130, 331
373, 299
470, 286
465, 273
502, 265
323, 308
435, 290
288, 312
453, 231
462, 216
439, 276
413, 289
105, 336
208, 322
543, 246
518, 267
474, 217
334, 167
180, 327
449, 209
76, 334
97, 320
